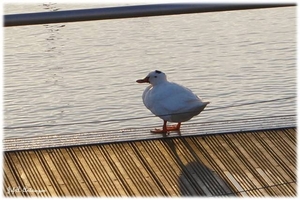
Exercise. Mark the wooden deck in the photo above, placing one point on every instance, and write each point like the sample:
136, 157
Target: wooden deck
253, 163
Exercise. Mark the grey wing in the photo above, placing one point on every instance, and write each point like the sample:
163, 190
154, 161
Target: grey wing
178, 98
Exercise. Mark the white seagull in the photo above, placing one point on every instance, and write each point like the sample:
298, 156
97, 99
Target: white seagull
170, 101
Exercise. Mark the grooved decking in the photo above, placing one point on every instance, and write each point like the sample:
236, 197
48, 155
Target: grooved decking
253, 163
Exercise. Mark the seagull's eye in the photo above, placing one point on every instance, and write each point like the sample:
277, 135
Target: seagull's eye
155, 76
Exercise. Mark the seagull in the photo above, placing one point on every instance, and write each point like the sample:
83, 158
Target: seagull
170, 101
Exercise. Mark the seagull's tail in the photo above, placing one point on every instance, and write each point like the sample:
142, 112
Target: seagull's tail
206, 103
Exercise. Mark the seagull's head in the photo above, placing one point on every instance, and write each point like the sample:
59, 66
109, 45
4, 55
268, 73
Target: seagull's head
154, 78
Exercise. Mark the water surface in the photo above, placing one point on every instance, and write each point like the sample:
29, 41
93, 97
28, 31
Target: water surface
86, 71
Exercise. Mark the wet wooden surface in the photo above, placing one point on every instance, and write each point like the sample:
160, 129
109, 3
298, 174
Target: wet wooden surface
254, 163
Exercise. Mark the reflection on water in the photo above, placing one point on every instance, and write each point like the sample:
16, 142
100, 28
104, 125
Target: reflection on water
55, 74
50, 6
86, 71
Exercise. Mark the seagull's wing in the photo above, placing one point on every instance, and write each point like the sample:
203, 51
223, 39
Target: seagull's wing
171, 98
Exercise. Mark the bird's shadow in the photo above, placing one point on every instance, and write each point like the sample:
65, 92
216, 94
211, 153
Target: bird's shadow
196, 179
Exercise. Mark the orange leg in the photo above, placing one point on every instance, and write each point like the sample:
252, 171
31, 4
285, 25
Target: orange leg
166, 128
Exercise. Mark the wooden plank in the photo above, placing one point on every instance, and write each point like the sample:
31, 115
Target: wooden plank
10, 178
107, 176
54, 172
163, 166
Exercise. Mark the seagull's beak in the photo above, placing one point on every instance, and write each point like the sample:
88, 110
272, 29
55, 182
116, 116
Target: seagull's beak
145, 80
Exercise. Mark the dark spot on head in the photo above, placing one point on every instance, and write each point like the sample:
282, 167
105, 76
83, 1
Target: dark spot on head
157, 71
155, 76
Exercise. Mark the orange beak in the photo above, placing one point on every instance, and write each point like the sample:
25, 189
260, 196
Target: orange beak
145, 80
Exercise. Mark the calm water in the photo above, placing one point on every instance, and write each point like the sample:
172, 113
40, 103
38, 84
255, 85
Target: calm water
86, 71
